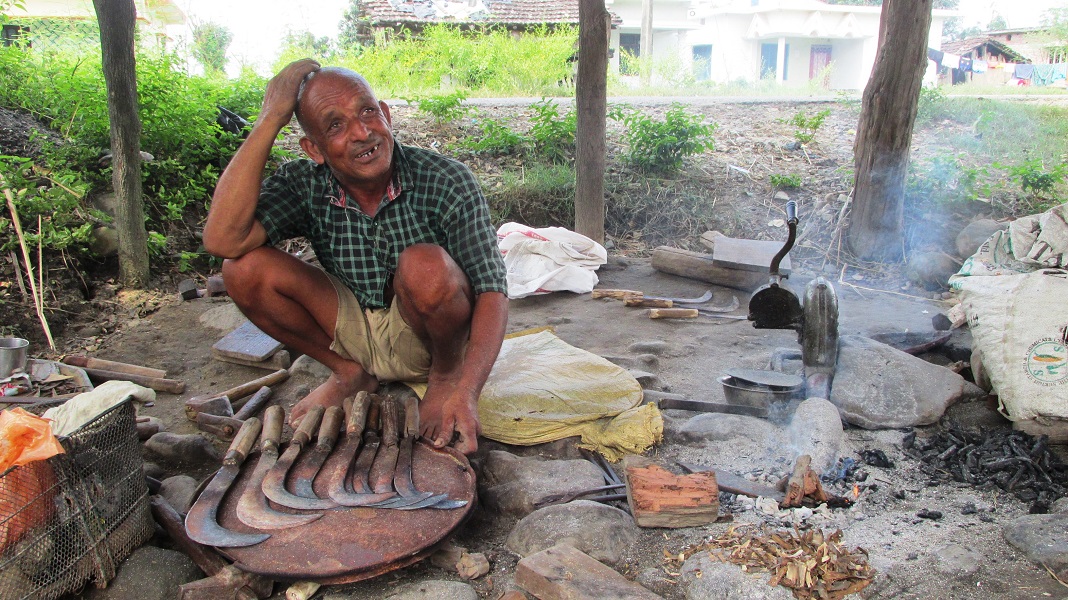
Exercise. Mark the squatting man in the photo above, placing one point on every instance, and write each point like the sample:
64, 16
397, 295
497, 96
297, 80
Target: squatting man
412, 285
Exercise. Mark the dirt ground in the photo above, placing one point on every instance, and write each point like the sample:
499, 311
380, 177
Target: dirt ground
155, 328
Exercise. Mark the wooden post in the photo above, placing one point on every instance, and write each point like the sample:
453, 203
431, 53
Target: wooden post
117, 19
884, 133
591, 100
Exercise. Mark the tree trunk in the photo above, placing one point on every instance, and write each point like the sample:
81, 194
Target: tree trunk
591, 89
884, 134
117, 19
645, 42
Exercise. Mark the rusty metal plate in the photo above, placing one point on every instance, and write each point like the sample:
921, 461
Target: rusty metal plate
352, 544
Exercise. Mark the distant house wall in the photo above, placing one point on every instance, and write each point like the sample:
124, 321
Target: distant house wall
1032, 43
69, 24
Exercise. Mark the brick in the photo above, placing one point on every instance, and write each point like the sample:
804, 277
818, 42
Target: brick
564, 573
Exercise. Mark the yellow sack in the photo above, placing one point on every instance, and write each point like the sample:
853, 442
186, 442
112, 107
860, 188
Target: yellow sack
542, 389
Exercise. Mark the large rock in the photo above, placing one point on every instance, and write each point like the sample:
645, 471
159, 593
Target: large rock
877, 386
511, 485
816, 430
971, 237
601, 531
430, 590
150, 573
225, 317
705, 578
178, 449
1043, 538
179, 491
931, 270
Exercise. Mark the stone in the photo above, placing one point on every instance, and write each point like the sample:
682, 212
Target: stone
705, 578
974, 234
562, 572
149, 573
601, 531
427, 590
877, 386
182, 449
657, 347
153, 470
1059, 506
179, 491
956, 561
1043, 538
931, 270
976, 416
104, 241
722, 427
107, 203
816, 430
224, 317
447, 556
782, 196
472, 565
309, 367
510, 485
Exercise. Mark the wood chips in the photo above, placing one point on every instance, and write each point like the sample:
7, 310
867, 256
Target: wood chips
813, 564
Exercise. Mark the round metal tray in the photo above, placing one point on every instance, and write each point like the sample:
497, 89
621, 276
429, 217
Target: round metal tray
351, 544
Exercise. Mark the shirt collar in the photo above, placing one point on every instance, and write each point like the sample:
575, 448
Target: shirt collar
337, 195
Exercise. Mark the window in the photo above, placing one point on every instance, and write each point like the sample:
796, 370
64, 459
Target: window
12, 34
630, 47
769, 61
702, 62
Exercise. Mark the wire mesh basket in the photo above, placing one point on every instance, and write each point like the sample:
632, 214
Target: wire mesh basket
75, 516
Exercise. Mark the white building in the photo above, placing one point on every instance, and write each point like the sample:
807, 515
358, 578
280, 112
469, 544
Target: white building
793, 42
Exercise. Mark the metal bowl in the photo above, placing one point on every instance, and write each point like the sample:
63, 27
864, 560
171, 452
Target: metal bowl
745, 393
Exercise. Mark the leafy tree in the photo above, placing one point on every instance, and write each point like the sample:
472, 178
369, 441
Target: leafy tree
352, 30
210, 42
996, 23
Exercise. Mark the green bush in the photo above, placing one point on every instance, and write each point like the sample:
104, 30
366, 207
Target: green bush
54, 201
785, 182
542, 195
1035, 179
445, 108
660, 146
553, 135
496, 139
807, 126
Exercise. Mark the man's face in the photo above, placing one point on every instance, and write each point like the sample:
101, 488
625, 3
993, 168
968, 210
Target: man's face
347, 128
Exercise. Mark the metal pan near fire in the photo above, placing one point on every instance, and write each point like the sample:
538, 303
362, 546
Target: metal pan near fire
758, 389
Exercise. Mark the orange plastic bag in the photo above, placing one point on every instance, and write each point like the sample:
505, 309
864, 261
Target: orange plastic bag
25, 437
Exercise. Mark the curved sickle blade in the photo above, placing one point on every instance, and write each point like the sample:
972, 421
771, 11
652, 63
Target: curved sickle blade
274, 485
202, 522
253, 509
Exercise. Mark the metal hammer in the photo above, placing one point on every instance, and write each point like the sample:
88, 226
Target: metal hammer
226, 427
220, 404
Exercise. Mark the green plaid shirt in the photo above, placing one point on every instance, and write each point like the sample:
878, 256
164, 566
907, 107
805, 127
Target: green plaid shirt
433, 199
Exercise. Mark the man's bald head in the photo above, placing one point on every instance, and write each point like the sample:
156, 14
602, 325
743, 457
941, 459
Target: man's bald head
319, 77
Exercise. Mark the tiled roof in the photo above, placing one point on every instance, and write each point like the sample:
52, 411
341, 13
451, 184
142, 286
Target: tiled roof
962, 47
524, 12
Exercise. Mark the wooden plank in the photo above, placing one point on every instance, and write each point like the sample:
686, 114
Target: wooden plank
696, 265
564, 573
247, 342
748, 255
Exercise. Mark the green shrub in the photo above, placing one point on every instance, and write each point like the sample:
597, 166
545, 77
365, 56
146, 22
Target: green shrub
56, 201
1035, 179
807, 126
445, 108
785, 182
660, 146
553, 135
496, 139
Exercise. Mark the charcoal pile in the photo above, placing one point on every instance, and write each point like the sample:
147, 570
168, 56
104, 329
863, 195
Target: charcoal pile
1013, 461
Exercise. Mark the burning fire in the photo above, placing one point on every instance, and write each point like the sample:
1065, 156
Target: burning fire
856, 491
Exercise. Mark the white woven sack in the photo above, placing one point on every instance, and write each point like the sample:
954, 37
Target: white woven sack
1019, 327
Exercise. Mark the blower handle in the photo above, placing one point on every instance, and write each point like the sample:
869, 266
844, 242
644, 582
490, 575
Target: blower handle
791, 222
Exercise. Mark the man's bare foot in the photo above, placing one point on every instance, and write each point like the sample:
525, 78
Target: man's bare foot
332, 393
448, 416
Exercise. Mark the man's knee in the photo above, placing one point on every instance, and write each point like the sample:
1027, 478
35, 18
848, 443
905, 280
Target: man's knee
427, 274
246, 275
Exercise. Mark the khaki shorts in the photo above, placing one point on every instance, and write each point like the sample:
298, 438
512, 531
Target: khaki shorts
378, 339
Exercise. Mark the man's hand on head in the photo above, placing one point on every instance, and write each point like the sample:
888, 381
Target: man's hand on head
280, 99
